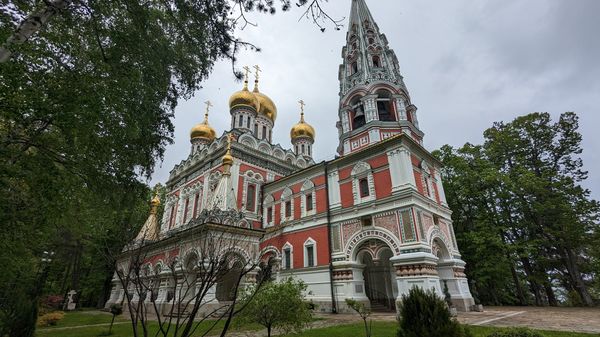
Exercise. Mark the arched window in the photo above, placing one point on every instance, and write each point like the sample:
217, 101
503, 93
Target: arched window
241, 121
287, 206
251, 197
264, 132
363, 186
376, 61
288, 261
256, 130
371, 40
310, 253
384, 106
302, 146
358, 114
353, 68
248, 123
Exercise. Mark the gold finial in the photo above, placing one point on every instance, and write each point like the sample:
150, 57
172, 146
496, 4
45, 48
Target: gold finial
155, 202
246, 75
302, 105
256, 77
228, 158
208, 105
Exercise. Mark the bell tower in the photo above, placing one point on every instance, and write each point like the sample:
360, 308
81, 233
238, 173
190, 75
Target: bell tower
374, 102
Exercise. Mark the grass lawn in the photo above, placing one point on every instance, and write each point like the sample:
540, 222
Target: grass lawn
122, 328
388, 329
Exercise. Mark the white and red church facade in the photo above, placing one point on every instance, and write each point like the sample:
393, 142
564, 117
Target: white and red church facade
367, 225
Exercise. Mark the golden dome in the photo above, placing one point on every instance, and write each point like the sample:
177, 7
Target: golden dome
266, 106
302, 129
203, 130
154, 203
244, 98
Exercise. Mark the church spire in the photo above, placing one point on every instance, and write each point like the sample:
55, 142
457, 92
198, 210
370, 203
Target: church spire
374, 102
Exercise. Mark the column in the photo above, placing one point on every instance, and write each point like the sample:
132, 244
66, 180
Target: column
401, 169
440, 187
416, 270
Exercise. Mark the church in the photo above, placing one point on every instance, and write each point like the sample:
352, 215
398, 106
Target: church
367, 225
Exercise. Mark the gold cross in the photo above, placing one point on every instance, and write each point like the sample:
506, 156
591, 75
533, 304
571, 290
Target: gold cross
229, 140
258, 70
208, 105
246, 70
302, 104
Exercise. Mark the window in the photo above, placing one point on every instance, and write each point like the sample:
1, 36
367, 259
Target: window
302, 146
359, 117
241, 121
256, 130
309, 202
309, 151
287, 258
264, 132
288, 209
270, 135
172, 219
376, 62
310, 256
269, 214
366, 221
248, 123
250, 197
363, 186
185, 210
353, 68
196, 205
371, 40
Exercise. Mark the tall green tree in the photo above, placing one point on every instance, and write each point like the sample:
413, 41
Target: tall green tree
519, 195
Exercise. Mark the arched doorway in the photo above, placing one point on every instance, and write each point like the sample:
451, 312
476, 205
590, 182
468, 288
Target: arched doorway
226, 283
444, 266
379, 284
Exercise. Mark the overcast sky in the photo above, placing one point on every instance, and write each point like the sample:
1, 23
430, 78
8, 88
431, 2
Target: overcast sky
466, 63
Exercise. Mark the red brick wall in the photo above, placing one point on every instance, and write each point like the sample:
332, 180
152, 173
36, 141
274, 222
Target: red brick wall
297, 239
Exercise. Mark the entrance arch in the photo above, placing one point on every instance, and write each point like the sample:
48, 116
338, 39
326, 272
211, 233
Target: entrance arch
380, 288
225, 291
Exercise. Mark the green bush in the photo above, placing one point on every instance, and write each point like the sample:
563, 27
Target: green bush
518, 332
424, 314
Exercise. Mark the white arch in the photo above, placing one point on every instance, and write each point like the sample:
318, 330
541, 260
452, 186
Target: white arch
372, 233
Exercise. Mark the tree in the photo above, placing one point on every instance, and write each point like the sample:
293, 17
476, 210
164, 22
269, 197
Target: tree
424, 314
521, 217
363, 311
87, 93
278, 305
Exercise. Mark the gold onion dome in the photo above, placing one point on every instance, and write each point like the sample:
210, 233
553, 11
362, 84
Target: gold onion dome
203, 130
266, 106
244, 98
302, 129
154, 203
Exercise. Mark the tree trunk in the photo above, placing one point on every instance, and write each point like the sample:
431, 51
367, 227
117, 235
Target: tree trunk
571, 263
31, 25
533, 285
269, 331
550, 294
520, 294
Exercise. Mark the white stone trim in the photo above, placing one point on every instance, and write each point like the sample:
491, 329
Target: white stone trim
289, 246
360, 171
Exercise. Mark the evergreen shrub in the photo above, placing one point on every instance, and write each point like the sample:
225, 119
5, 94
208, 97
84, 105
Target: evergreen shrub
424, 314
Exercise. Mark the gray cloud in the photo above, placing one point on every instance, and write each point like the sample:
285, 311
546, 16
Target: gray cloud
466, 63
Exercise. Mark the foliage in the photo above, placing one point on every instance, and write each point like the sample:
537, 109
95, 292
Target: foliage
86, 100
363, 311
517, 332
277, 305
424, 314
50, 318
525, 225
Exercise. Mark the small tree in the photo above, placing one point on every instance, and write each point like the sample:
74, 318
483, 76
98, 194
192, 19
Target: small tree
424, 314
278, 305
363, 311
115, 310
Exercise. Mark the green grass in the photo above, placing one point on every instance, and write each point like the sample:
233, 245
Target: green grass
123, 328
388, 329
76, 318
